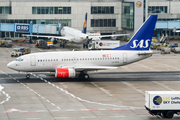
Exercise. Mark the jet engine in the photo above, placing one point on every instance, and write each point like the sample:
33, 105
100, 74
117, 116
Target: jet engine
65, 73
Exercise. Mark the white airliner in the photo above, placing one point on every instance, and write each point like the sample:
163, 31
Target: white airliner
73, 63
72, 35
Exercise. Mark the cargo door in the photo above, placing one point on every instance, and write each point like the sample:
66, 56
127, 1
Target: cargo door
33, 60
124, 57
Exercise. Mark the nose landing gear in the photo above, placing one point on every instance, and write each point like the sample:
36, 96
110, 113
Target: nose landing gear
27, 76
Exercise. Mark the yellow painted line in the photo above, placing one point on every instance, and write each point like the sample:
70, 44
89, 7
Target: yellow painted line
72, 46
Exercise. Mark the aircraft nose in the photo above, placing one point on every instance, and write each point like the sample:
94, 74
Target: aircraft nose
11, 65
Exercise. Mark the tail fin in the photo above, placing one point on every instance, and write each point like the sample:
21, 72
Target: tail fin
85, 24
143, 37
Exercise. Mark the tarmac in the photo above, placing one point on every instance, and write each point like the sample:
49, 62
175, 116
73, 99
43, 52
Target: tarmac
107, 95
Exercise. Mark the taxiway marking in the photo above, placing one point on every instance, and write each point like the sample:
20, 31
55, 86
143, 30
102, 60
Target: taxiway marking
73, 96
31, 90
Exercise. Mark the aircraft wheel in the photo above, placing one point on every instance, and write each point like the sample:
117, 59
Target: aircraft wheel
86, 76
27, 76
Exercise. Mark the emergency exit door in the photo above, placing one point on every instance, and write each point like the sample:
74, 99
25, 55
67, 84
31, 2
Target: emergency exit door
33, 60
124, 57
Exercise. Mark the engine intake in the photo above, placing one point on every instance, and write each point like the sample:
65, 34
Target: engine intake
65, 73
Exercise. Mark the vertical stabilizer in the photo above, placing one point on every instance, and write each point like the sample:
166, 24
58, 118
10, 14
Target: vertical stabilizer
143, 37
85, 24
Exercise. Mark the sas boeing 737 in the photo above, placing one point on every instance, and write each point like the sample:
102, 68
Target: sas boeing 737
72, 35
78, 63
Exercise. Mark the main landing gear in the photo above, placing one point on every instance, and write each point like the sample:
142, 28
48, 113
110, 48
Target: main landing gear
83, 75
27, 76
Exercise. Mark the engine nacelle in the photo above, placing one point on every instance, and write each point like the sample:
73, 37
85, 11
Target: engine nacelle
65, 73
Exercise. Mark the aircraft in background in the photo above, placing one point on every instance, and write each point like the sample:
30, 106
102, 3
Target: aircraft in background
174, 30
69, 64
72, 35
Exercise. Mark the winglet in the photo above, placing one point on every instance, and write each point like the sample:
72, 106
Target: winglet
143, 37
85, 24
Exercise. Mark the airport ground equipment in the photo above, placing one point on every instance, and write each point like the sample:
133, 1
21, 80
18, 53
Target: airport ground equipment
175, 49
20, 51
103, 44
6, 43
155, 45
2, 43
44, 44
165, 50
163, 103
174, 45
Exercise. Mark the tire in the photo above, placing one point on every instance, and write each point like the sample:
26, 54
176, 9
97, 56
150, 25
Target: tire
169, 114
86, 76
27, 76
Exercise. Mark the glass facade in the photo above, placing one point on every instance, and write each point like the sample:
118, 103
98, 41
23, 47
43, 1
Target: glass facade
51, 10
127, 21
45, 21
157, 9
103, 22
5, 10
102, 10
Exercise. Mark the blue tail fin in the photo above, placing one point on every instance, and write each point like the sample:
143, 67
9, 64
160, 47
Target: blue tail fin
85, 24
143, 37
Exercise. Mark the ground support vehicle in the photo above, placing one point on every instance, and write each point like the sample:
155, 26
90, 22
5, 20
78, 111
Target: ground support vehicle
20, 51
103, 44
174, 45
165, 50
6, 43
44, 44
175, 49
163, 103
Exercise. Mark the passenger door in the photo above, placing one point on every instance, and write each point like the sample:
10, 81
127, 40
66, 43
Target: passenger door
33, 60
124, 57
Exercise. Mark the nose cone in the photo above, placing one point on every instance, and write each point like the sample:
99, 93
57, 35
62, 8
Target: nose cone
11, 65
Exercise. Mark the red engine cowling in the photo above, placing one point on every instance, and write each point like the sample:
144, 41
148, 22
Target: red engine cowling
65, 73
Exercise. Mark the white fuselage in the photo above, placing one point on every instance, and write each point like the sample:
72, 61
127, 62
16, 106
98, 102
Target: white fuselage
74, 35
49, 61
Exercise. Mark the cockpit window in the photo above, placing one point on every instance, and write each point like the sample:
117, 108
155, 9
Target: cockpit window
18, 59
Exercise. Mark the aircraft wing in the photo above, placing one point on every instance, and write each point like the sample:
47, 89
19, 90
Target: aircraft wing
44, 36
100, 36
90, 68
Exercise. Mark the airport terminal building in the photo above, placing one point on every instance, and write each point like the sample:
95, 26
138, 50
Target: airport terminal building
104, 16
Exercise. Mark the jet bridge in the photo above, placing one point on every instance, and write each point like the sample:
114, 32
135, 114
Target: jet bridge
31, 28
